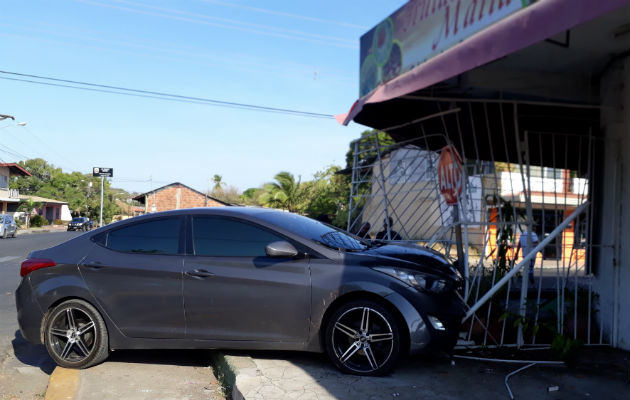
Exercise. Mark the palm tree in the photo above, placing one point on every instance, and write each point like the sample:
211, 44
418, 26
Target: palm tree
28, 206
283, 193
218, 182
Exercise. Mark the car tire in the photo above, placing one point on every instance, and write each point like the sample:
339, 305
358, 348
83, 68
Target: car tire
14, 234
75, 335
363, 338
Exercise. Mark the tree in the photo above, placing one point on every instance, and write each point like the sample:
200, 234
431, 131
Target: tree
28, 206
328, 195
284, 193
79, 190
218, 182
366, 148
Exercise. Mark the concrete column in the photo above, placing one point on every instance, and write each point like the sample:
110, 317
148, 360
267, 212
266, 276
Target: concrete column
612, 208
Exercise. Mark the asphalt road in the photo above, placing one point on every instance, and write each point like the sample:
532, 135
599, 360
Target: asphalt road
24, 368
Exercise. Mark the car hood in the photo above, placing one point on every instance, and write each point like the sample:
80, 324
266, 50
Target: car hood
409, 256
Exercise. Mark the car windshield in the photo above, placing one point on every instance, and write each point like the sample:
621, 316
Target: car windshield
77, 219
313, 230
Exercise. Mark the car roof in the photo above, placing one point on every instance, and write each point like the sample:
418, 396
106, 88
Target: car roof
228, 211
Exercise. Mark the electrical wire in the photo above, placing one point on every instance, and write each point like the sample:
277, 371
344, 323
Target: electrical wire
95, 87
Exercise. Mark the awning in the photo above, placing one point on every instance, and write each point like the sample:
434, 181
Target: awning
524, 28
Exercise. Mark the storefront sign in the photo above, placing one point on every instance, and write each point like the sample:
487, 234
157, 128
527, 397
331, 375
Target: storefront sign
100, 171
421, 29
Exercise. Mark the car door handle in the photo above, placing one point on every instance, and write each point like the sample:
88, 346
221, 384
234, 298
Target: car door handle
199, 273
94, 265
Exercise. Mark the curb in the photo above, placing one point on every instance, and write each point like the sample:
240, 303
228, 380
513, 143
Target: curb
62, 384
31, 232
236, 374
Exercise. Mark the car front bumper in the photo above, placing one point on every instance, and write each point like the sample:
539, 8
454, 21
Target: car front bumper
434, 321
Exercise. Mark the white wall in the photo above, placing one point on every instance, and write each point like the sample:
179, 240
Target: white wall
65, 213
612, 216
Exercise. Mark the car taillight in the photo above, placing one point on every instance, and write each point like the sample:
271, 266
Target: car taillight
33, 264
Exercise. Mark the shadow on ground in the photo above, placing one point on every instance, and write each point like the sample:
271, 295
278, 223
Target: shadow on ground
291, 374
187, 358
31, 354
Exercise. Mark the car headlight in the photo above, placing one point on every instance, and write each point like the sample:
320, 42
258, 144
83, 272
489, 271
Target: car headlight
416, 279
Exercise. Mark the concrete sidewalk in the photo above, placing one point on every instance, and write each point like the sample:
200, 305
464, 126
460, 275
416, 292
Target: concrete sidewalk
285, 375
274, 375
140, 375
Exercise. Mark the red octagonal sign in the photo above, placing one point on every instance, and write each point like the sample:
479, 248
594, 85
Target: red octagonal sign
450, 174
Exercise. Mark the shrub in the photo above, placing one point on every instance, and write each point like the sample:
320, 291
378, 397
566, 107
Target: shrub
58, 222
38, 221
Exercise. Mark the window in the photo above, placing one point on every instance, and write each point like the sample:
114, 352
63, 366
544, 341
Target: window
152, 237
4, 182
223, 237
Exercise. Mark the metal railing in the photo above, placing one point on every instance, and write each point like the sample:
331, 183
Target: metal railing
517, 296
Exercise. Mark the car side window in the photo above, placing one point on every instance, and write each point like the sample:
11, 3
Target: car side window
224, 237
152, 237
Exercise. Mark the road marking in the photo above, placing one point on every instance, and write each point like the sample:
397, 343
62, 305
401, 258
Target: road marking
8, 258
63, 384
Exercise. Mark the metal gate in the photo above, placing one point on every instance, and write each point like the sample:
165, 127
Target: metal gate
515, 182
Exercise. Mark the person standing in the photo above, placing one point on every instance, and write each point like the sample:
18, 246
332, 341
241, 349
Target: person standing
393, 235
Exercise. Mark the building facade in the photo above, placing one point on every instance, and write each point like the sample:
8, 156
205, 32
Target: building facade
175, 196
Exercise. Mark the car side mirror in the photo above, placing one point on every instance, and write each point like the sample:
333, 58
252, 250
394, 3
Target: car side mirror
281, 249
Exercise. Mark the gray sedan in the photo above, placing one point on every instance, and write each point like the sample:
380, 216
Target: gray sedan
238, 278
8, 226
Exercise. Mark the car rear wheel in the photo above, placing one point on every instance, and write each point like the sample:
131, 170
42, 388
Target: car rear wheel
363, 338
76, 335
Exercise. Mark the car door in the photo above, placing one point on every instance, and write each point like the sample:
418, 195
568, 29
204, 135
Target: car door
12, 225
234, 291
135, 273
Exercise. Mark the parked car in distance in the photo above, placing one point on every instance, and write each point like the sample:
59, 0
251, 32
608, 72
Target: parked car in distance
79, 224
8, 226
238, 278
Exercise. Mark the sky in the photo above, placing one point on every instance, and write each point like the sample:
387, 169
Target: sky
295, 55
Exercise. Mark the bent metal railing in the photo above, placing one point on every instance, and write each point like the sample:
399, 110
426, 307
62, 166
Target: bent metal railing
394, 189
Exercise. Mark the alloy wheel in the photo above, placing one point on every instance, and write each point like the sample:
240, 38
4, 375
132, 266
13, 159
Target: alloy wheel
362, 340
72, 335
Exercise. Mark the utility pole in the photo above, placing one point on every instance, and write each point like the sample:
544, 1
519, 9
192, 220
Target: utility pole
100, 220
102, 172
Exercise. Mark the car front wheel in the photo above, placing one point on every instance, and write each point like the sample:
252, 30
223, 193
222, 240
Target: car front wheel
76, 335
363, 338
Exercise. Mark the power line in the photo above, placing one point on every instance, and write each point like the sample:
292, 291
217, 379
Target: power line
224, 23
286, 14
156, 95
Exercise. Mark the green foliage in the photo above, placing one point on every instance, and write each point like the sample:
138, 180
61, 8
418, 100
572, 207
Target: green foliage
58, 222
285, 193
28, 206
229, 195
366, 145
251, 196
83, 199
218, 182
327, 194
38, 221
566, 349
